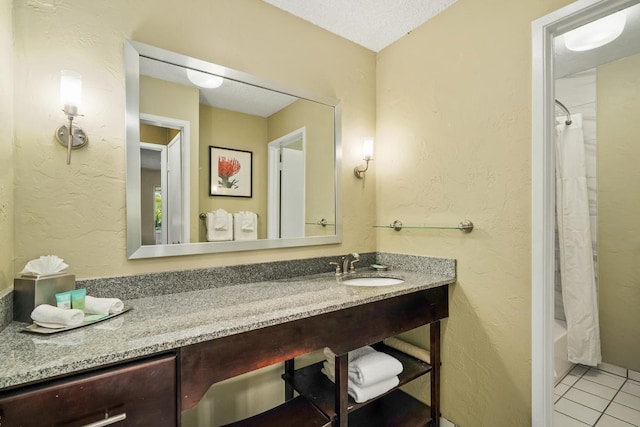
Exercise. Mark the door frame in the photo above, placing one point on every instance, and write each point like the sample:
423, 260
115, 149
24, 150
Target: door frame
543, 31
273, 177
185, 148
163, 183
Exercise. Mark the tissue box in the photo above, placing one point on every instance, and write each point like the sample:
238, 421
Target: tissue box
30, 292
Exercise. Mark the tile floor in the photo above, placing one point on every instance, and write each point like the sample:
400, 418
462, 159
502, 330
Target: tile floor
594, 397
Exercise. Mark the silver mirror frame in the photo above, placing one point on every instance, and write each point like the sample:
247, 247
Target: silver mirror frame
543, 32
133, 51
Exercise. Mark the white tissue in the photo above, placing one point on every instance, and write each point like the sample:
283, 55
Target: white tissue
45, 265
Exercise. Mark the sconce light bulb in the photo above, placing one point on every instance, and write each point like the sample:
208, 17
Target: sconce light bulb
367, 149
70, 92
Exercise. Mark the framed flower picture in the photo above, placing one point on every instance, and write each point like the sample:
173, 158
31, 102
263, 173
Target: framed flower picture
230, 172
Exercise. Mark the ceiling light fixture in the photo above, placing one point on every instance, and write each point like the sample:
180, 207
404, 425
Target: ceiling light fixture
204, 80
596, 33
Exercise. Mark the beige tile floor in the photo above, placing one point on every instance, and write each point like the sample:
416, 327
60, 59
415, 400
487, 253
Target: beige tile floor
605, 397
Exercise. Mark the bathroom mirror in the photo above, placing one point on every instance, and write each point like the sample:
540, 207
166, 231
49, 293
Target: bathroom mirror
202, 138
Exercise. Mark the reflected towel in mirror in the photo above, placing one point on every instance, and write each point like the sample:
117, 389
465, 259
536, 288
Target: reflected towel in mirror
219, 226
245, 225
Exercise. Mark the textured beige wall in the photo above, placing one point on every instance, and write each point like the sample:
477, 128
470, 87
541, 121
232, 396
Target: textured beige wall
318, 122
453, 142
6, 145
78, 212
618, 104
230, 129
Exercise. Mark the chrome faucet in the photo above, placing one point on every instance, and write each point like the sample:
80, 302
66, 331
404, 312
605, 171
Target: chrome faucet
346, 266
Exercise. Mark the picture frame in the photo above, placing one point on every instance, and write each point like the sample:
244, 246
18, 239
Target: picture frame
230, 172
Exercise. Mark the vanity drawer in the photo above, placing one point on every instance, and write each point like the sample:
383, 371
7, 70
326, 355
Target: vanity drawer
144, 391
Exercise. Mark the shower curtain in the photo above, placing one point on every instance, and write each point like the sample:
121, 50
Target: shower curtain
579, 294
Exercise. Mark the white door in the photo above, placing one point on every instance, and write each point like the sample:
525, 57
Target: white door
292, 193
174, 191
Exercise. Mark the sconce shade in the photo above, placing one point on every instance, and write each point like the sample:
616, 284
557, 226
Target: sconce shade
367, 149
596, 33
70, 91
204, 80
367, 156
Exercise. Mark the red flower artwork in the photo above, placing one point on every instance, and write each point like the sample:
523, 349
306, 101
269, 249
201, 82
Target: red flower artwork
226, 169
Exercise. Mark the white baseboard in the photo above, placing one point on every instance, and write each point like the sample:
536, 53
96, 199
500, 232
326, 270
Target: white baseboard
446, 423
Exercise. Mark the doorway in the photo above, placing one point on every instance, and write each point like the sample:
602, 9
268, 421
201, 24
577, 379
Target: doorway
286, 182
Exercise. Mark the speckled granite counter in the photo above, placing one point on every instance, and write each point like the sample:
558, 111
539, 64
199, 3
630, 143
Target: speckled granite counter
171, 321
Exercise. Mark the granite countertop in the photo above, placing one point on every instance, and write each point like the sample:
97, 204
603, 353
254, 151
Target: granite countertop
166, 322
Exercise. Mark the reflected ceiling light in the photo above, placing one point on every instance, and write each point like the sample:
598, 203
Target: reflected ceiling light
204, 80
596, 33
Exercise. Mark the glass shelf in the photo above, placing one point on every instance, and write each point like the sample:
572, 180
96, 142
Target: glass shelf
465, 226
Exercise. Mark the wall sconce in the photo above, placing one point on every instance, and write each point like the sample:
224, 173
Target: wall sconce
367, 156
70, 97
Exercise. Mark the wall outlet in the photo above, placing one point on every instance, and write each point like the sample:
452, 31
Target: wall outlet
446, 423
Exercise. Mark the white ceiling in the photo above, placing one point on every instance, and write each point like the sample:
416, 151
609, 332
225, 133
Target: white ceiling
374, 24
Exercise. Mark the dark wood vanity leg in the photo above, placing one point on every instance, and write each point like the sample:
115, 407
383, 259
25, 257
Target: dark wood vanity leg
289, 367
434, 347
341, 397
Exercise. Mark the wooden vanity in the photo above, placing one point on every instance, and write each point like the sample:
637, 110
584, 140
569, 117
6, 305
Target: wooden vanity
155, 388
206, 363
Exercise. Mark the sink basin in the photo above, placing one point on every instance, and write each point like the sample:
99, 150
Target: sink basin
372, 281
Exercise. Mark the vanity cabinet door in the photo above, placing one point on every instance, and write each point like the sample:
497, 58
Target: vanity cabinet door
141, 393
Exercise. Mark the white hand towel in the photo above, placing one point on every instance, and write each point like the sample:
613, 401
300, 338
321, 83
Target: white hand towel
248, 221
373, 368
407, 348
214, 220
362, 394
241, 230
94, 305
220, 219
48, 316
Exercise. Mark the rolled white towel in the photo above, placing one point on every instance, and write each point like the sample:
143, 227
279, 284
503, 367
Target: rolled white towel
373, 368
362, 394
94, 305
48, 316
408, 348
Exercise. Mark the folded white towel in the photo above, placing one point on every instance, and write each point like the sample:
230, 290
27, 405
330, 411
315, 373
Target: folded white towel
217, 228
362, 394
373, 368
353, 354
410, 349
367, 366
248, 221
48, 316
245, 225
94, 305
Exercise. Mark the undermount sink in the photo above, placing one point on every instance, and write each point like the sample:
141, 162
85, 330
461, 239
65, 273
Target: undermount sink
372, 281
